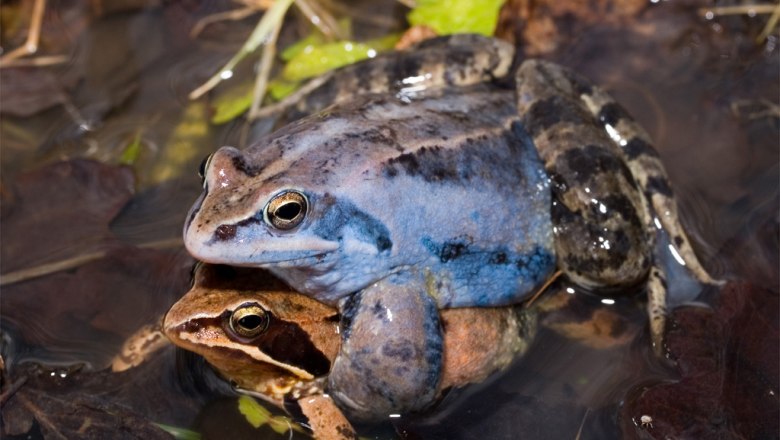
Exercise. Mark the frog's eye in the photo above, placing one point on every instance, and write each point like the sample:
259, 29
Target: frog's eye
285, 210
249, 320
204, 165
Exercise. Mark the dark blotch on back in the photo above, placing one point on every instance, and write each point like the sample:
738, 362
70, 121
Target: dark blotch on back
348, 309
486, 157
620, 204
404, 66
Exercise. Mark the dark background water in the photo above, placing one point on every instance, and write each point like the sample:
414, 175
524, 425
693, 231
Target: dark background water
704, 88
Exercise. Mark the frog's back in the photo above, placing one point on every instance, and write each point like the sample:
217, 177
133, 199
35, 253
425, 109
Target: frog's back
450, 183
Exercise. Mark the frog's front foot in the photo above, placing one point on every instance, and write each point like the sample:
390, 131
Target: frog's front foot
391, 356
325, 418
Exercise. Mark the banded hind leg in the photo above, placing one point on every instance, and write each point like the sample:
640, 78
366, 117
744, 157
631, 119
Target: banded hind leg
648, 170
602, 223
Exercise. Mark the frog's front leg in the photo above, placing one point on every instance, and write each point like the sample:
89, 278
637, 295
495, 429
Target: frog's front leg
325, 418
391, 354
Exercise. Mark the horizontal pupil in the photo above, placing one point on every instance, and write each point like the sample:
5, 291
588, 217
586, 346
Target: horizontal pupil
288, 211
250, 322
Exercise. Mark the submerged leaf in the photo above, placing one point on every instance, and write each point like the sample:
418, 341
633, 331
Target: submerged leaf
457, 16
257, 415
233, 102
184, 145
728, 361
132, 151
179, 433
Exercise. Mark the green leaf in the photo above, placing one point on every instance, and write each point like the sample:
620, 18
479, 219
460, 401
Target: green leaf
257, 415
179, 433
279, 88
315, 60
295, 49
132, 151
457, 16
232, 103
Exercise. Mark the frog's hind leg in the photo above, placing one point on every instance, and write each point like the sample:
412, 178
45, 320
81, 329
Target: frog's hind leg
603, 224
656, 307
648, 170
599, 216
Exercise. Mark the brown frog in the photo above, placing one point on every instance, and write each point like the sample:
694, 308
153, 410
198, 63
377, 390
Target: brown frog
281, 345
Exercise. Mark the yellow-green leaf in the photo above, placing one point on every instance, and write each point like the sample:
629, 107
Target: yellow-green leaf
255, 414
183, 147
295, 49
232, 103
132, 151
316, 60
457, 16
315, 38
179, 433
278, 89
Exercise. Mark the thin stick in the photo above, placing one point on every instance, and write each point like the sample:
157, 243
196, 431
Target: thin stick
544, 287
41, 61
770, 24
264, 71
738, 10
293, 98
72, 263
234, 15
33, 35
321, 18
10, 391
263, 29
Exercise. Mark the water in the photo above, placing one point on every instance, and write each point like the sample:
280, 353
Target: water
696, 85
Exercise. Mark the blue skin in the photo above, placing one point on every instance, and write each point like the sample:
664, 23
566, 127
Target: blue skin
399, 372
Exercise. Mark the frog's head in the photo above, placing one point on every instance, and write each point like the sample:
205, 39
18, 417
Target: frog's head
254, 330
246, 217
262, 210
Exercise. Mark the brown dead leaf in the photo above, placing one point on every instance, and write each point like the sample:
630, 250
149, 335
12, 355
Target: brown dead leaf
728, 361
